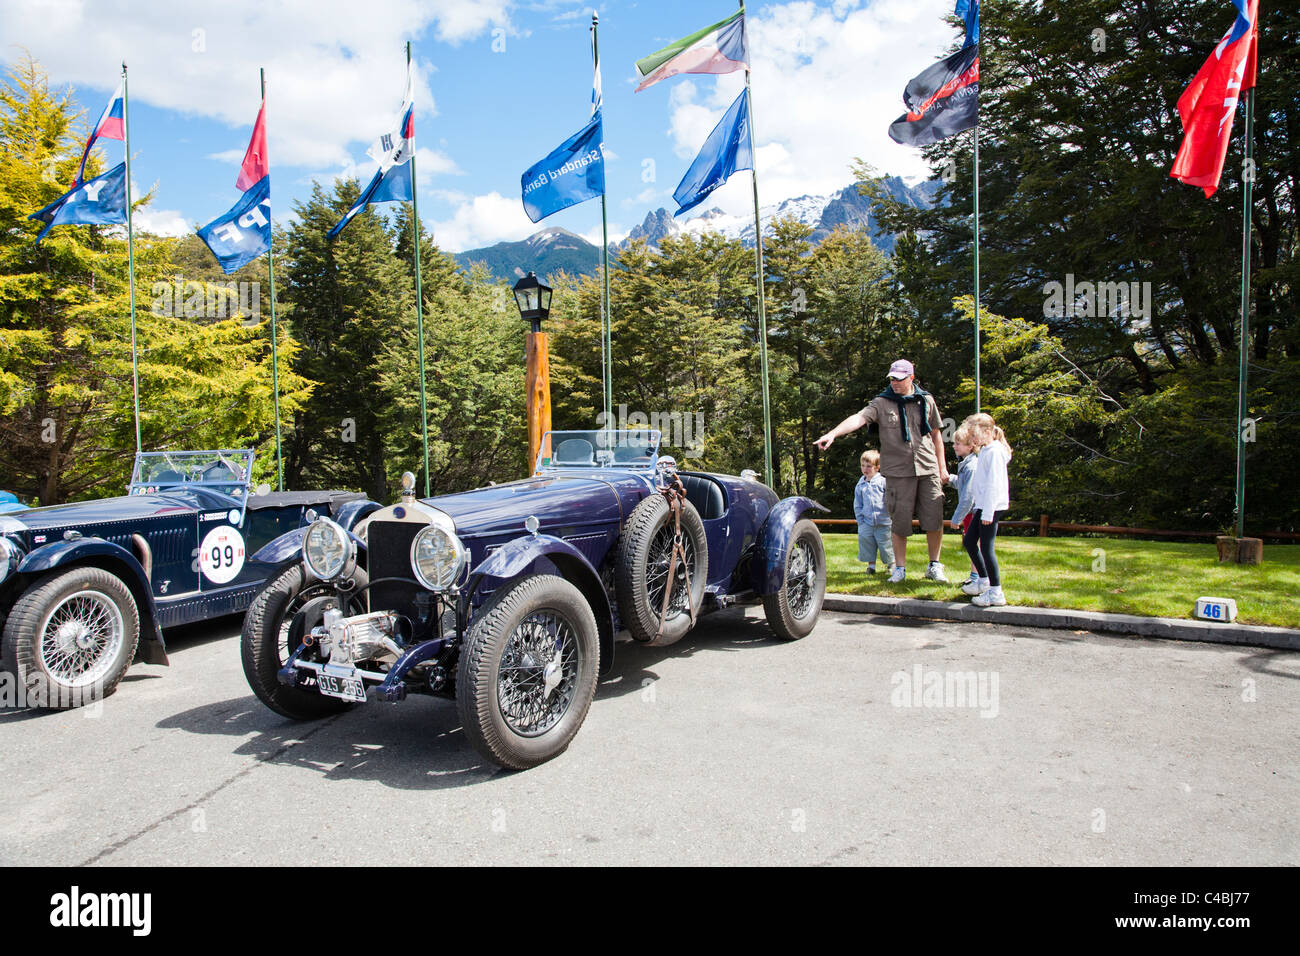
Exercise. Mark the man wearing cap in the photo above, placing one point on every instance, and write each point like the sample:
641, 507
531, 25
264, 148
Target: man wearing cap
912, 460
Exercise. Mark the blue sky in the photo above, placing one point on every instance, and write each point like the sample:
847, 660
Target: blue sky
499, 85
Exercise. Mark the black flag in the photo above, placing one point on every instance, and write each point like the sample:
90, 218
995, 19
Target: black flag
942, 101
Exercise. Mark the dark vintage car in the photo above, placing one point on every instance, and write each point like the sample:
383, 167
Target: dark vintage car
87, 588
509, 598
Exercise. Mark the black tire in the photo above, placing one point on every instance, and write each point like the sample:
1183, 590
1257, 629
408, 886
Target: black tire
793, 610
644, 546
70, 639
507, 629
268, 639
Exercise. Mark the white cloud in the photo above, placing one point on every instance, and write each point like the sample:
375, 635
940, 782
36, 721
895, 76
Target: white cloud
334, 68
161, 222
482, 221
826, 85
616, 234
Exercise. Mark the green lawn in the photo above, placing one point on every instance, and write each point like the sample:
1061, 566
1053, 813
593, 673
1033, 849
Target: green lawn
1139, 577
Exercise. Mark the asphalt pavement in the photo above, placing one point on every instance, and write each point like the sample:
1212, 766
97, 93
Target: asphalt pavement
876, 740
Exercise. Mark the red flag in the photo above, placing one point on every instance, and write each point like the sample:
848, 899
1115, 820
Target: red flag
256, 164
1207, 106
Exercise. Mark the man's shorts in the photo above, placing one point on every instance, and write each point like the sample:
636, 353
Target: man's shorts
920, 496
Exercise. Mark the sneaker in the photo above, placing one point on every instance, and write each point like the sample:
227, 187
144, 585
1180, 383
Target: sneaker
898, 575
972, 587
935, 573
992, 597
871, 569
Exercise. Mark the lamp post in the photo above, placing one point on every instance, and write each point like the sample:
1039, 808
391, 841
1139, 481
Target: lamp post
534, 301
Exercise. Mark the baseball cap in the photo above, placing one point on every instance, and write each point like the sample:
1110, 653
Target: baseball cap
901, 369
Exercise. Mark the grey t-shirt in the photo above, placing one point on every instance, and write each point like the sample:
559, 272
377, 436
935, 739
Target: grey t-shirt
899, 458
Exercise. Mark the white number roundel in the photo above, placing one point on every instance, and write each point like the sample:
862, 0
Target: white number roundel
221, 555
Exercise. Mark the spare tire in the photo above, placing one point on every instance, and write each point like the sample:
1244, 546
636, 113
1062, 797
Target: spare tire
641, 571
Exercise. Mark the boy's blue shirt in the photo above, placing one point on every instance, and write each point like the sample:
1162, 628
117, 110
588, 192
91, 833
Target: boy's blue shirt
965, 494
869, 500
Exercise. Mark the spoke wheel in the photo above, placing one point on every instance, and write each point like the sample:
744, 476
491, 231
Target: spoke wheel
81, 637
71, 638
641, 571
537, 674
793, 610
527, 671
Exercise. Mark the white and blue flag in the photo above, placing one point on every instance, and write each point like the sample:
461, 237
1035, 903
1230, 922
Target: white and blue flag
100, 201
393, 152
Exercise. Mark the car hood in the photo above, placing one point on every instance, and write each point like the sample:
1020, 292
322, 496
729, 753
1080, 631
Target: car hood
84, 515
562, 504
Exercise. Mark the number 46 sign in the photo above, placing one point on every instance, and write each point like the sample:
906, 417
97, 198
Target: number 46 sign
221, 555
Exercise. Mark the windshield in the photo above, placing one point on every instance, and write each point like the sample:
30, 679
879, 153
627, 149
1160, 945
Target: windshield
226, 471
636, 449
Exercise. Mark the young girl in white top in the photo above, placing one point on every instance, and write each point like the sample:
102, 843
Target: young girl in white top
990, 498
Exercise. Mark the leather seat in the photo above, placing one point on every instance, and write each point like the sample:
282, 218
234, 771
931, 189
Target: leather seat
705, 494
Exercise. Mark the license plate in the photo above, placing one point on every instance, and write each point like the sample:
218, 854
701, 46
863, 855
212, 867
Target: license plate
344, 688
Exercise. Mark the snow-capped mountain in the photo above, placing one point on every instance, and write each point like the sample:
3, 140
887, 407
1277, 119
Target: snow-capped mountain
551, 250
848, 207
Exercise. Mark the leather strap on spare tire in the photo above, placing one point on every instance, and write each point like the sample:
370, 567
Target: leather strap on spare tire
662, 538
676, 496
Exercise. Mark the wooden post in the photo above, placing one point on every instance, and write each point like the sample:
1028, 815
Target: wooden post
539, 394
1235, 550
1042, 526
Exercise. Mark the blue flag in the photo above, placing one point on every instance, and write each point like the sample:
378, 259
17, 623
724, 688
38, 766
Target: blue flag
969, 10
388, 185
240, 235
727, 150
573, 173
100, 201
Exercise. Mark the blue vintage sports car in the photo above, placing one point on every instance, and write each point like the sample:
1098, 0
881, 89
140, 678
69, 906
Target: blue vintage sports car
88, 587
509, 598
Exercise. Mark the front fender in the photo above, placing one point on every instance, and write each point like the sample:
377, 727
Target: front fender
353, 511
287, 548
774, 542
513, 559
113, 557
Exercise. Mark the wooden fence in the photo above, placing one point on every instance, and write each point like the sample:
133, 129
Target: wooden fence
1046, 527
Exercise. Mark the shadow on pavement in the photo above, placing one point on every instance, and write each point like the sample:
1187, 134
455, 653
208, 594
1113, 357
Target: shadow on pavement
419, 744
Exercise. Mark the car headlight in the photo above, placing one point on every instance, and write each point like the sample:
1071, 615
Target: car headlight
437, 557
10, 555
328, 550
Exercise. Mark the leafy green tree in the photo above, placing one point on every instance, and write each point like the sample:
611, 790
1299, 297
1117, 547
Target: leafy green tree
66, 403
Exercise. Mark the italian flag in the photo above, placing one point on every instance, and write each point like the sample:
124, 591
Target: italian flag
715, 49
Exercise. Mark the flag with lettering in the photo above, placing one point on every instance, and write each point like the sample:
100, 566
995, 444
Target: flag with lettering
944, 99
1209, 103
243, 232
727, 149
101, 201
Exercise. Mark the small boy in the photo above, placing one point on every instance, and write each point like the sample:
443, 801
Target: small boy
961, 444
873, 519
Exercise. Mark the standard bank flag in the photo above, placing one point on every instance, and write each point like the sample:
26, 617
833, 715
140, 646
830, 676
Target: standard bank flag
726, 150
100, 201
393, 152
244, 232
573, 173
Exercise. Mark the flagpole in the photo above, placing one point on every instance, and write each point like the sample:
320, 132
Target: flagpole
419, 305
130, 255
275, 337
1245, 309
976, 131
758, 258
606, 342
